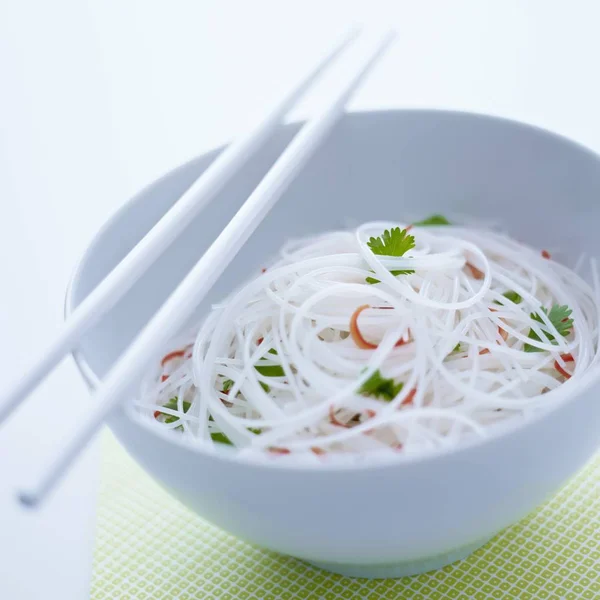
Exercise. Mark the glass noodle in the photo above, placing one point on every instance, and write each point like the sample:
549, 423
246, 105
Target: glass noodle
388, 339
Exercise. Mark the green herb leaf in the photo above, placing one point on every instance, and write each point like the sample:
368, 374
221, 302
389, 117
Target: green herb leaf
265, 387
512, 296
380, 387
172, 404
559, 317
456, 348
270, 370
394, 242
255, 430
227, 385
220, 438
394, 273
432, 220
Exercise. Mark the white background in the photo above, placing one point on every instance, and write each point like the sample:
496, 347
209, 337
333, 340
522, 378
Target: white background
98, 98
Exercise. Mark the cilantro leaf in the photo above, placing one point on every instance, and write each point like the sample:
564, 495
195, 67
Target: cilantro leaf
220, 438
512, 296
432, 220
380, 387
394, 242
456, 348
270, 370
172, 404
394, 273
264, 370
559, 316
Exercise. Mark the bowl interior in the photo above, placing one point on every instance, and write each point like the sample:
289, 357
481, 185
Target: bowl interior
379, 165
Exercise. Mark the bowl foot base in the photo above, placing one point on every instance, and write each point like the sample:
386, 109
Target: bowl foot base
401, 569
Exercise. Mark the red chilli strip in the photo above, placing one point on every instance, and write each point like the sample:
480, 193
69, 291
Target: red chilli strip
566, 358
546, 254
276, 450
333, 420
355, 334
408, 227
370, 413
398, 447
259, 341
503, 334
157, 414
263, 270
409, 398
402, 341
475, 272
318, 451
163, 378
171, 356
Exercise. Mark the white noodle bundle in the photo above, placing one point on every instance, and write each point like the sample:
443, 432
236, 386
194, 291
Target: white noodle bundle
311, 360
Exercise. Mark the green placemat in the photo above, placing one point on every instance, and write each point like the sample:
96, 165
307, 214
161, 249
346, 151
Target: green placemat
148, 546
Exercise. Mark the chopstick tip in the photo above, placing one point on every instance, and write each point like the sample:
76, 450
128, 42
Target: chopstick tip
28, 499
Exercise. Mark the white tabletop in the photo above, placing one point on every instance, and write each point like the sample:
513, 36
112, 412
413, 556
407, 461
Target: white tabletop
98, 99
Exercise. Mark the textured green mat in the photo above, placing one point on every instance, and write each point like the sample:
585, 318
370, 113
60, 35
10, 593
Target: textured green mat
150, 547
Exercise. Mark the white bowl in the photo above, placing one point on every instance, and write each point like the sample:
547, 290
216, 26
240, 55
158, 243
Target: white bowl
421, 512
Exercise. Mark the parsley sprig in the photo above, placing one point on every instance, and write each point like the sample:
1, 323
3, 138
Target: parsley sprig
380, 387
560, 317
392, 242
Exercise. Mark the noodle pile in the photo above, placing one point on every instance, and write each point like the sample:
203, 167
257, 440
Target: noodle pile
370, 343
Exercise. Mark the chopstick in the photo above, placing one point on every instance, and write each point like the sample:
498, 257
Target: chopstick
179, 306
159, 238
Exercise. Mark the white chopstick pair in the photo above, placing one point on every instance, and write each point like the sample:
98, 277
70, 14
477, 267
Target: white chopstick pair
182, 302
